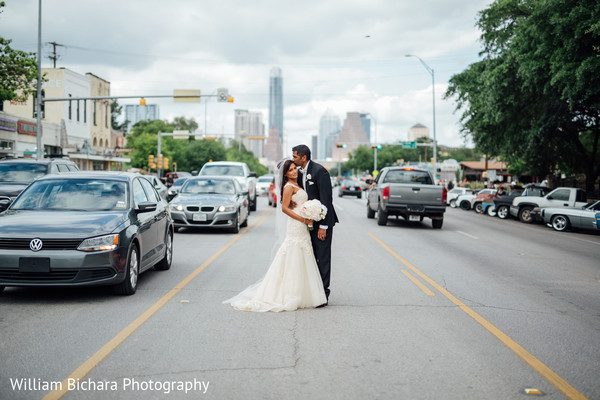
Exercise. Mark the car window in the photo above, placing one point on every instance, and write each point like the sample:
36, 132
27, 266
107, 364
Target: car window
21, 172
561, 194
581, 197
222, 170
209, 186
407, 176
150, 191
73, 168
74, 194
139, 195
62, 167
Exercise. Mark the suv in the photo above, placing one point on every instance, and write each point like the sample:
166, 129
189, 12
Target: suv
238, 170
17, 173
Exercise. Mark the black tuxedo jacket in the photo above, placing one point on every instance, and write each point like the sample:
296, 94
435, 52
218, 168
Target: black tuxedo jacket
318, 186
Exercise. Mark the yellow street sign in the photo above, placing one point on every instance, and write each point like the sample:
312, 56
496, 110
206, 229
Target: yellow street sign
185, 92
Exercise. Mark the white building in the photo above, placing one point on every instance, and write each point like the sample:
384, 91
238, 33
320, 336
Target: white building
250, 129
329, 126
417, 131
135, 113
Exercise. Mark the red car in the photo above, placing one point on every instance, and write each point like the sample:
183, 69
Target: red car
272, 195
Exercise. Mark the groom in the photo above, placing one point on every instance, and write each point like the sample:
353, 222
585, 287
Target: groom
315, 180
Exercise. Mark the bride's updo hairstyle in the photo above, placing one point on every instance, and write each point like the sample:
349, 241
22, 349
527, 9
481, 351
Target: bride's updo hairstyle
284, 179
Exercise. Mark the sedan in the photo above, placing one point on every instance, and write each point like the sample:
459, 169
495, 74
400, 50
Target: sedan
563, 218
85, 228
211, 202
350, 188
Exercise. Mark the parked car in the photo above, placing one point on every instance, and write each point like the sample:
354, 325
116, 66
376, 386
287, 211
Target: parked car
465, 201
406, 192
263, 183
350, 187
238, 170
175, 187
17, 174
503, 203
158, 185
454, 193
85, 228
561, 219
523, 207
271, 194
211, 202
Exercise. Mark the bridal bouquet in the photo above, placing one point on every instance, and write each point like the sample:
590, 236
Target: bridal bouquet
314, 210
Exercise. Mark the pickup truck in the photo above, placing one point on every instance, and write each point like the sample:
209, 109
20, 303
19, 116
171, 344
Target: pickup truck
523, 206
406, 192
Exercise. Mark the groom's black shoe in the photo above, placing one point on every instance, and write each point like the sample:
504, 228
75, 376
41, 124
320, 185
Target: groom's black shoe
323, 305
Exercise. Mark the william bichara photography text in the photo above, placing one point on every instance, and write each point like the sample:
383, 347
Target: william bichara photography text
124, 384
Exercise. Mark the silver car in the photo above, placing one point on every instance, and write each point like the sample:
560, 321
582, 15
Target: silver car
210, 202
563, 218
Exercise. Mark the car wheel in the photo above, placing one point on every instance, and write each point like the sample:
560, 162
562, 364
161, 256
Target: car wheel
465, 205
370, 212
437, 223
176, 229
236, 226
245, 223
525, 215
478, 208
491, 211
129, 284
359, 195
503, 212
165, 263
560, 223
453, 203
252, 205
382, 217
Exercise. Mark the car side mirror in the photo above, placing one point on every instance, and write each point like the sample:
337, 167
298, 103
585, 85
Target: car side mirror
146, 206
245, 192
252, 174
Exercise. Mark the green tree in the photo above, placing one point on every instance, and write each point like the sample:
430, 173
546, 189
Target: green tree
115, 111
535, 96
18, 72
199, 152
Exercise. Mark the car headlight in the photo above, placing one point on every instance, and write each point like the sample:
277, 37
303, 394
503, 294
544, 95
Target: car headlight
100, 243
225, 208
176, 207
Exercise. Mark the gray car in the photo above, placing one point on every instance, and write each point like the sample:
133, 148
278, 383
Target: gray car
210, 202
85, 228
563, 218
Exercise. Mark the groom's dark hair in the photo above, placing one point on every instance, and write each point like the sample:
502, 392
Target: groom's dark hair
302, 150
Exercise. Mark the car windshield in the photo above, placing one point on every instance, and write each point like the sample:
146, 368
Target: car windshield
179, 182
350, 183
208, 186
407, 176
222, 170
267, 179
74, 194
21, 172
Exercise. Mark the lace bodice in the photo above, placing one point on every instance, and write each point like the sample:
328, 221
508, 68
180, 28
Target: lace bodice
297, 229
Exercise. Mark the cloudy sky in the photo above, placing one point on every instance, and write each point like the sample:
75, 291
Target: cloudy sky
337, 55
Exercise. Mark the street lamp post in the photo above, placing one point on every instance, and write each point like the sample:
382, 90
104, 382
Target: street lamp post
430, 70
375, 141
38, 99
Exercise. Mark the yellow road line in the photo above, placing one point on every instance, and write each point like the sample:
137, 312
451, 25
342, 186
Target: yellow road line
417, 282
84, 369
565, 387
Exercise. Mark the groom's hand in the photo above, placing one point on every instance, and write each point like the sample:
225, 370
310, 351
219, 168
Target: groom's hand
322, 234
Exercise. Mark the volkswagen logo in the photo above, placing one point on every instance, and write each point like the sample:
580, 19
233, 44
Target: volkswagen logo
36, 244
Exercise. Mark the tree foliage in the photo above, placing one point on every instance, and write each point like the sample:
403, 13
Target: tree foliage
534, 98
18, 72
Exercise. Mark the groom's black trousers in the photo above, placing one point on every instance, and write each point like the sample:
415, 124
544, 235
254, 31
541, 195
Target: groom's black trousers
322, 250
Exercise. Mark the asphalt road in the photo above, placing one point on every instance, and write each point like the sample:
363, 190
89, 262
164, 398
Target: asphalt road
481, 309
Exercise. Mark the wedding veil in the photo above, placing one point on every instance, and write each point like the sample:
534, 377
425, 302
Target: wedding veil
280, 217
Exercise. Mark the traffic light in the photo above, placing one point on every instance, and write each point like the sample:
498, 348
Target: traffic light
230, 99
174, 166
376, 146
159, 160
166, 165
150, 159
341, 145
142, 101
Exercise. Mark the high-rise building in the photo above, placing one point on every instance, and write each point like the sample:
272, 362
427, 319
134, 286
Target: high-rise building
273, 147
352, 135
249, 128
276, 101
135, 113
328, 126
367, 124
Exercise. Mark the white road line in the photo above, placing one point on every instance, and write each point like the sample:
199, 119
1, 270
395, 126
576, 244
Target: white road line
466, 234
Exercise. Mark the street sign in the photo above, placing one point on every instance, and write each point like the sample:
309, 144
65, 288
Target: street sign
409, 145
181, 134
188, 94
222, 95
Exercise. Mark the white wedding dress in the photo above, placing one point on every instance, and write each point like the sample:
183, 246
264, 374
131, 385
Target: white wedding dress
293, 280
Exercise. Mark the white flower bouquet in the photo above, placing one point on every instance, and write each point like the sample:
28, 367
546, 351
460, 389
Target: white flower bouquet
314, 210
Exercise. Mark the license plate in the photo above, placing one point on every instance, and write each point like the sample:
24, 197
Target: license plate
199, 217
414, 217
34, 264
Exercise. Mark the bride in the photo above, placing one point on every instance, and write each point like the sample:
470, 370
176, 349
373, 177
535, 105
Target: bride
293, 280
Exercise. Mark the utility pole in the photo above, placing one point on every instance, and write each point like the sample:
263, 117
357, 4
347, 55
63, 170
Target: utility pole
54, 56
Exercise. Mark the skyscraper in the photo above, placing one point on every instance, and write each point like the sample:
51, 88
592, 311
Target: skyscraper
135, 113
329, 125
276, 101
248, 127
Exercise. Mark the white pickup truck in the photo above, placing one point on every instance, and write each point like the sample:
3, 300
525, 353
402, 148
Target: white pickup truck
526, 208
